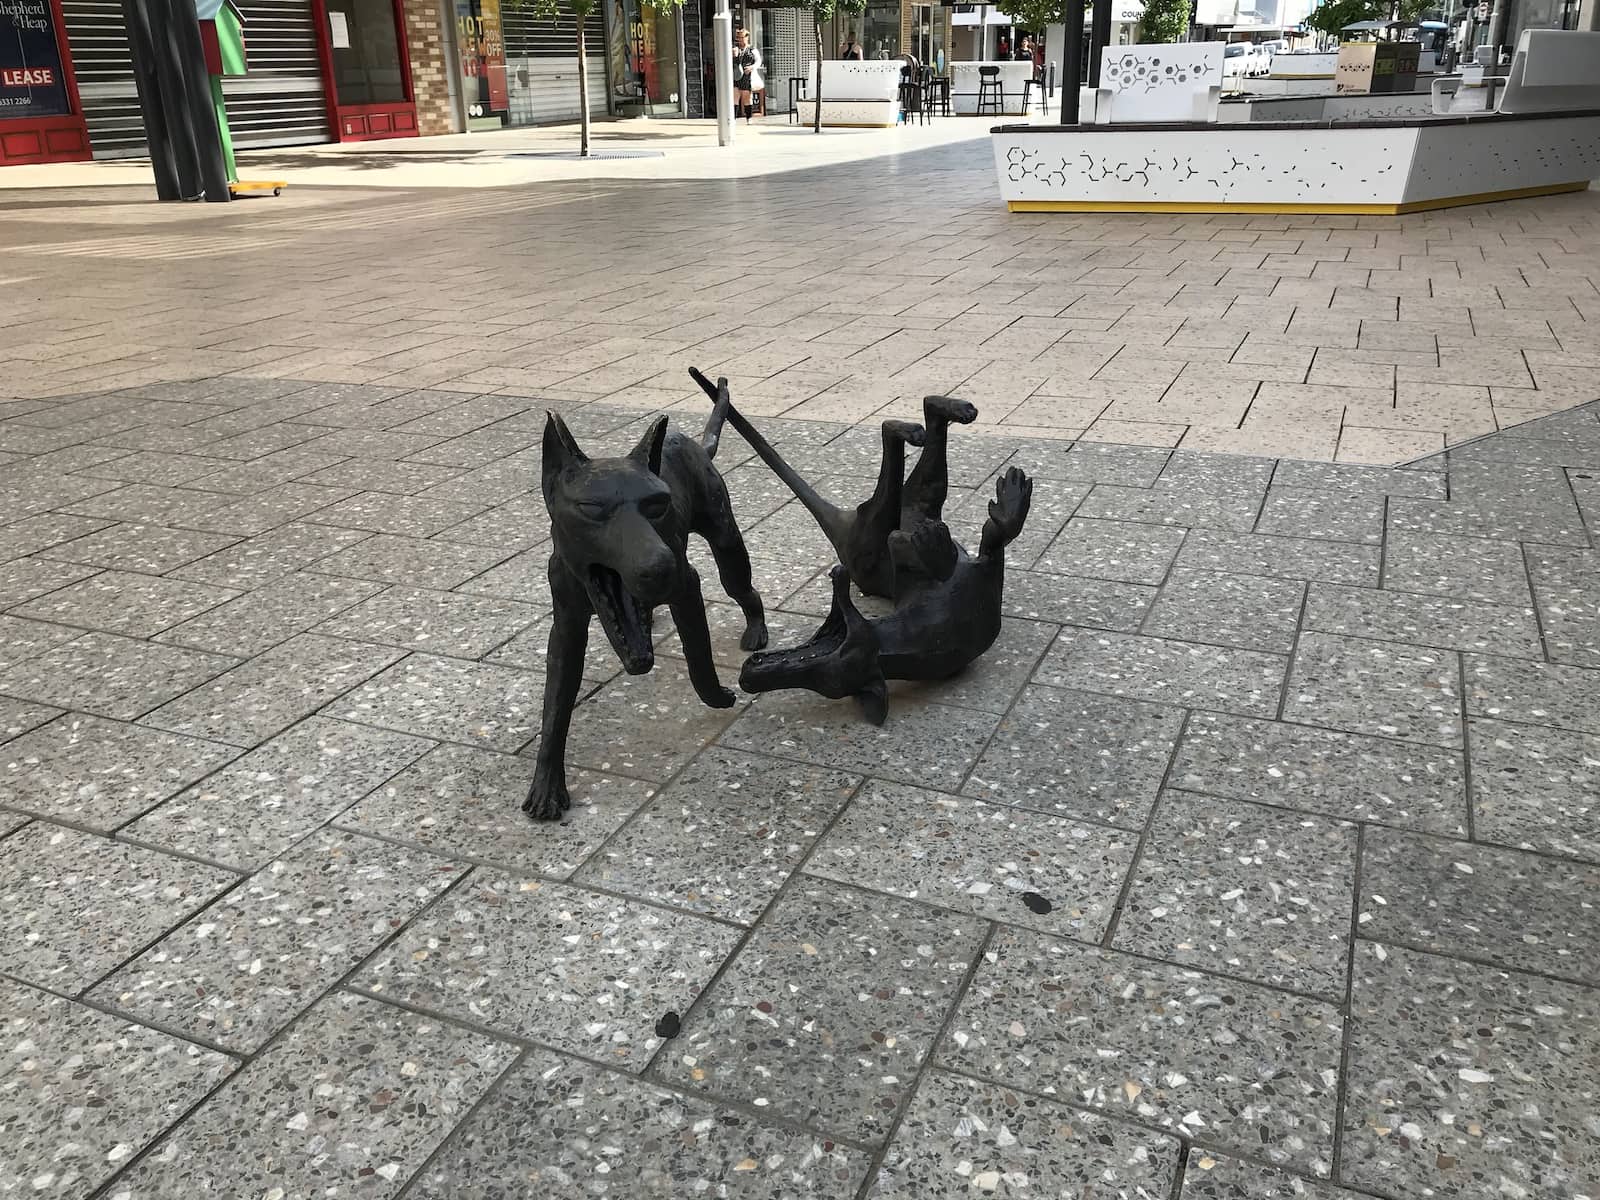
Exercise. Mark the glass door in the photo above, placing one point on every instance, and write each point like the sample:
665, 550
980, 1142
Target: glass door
645, 67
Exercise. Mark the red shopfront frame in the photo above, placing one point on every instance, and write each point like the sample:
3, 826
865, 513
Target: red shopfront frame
49, 139
367, 122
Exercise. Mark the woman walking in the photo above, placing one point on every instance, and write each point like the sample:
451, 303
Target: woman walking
747, 62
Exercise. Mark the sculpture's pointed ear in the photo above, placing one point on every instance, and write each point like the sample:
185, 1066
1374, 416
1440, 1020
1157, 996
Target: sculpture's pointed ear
560, 448
648, 452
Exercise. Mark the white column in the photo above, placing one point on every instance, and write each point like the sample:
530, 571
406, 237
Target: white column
722, 35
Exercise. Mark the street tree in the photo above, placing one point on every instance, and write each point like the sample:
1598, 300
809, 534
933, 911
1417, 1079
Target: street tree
1332, 17
821, 11
1164, 21
580, 11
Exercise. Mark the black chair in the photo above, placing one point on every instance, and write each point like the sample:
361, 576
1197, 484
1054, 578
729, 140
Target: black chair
936, 94
911, 104
798, 86
991, 92
1027, 89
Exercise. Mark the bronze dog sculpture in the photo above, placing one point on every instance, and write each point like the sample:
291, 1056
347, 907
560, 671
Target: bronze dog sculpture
946, 614
620, 529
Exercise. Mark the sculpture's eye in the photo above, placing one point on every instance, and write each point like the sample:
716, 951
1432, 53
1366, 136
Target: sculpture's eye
595, 510
655, 507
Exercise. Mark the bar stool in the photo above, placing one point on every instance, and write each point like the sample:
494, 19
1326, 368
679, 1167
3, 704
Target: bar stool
936, 94
1027, 90
991, 92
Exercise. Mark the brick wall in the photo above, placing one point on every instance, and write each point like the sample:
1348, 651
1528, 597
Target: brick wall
429, 62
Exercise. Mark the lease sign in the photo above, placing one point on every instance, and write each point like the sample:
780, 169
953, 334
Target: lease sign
32, 83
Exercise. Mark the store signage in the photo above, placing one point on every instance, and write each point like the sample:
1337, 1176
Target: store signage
32, 83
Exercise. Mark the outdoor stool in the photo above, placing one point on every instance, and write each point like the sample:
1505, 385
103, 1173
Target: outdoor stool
936, 94
797, 85
1027, 89
991, 92
911, 101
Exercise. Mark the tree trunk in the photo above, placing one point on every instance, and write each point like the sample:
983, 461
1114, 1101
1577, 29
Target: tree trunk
583, 95
816, 116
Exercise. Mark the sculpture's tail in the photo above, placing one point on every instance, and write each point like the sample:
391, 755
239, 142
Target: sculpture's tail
712, 437
826, 514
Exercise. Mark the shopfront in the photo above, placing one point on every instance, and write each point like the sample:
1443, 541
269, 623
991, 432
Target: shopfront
367, 69
645, 65
40, 119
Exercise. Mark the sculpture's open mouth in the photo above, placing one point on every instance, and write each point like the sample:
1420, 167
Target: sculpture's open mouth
625, 621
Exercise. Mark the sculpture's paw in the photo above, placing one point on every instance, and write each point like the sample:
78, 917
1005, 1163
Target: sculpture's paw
721, 698
908, 432
755, 636
1013, 495
547, 798
957, 412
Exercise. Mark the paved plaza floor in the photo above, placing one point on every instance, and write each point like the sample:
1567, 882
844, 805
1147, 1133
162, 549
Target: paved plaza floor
1260, 858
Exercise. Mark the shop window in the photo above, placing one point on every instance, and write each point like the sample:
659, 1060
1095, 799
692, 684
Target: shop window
366, 52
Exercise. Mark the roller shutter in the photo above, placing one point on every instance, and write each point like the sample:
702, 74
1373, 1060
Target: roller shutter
542, 67
280, 103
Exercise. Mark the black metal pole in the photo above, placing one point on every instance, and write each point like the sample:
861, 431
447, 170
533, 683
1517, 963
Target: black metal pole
1099, 38
1071, 61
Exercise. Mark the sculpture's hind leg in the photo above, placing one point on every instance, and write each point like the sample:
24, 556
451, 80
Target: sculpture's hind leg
721, 533
929, 483
879, 514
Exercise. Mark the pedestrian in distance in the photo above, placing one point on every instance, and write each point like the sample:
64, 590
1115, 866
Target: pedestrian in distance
851, 50
748, 80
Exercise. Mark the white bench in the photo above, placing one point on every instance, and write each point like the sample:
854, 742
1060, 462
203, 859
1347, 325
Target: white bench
1013, 77
862, 94
1159, 83
1553, 70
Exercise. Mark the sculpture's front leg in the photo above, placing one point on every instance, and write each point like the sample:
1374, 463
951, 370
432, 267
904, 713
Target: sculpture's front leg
569, 639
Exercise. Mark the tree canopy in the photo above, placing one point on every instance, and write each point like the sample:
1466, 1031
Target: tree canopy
1164, 21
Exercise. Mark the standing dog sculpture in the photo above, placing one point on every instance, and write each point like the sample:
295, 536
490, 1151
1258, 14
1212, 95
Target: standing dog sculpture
620, 529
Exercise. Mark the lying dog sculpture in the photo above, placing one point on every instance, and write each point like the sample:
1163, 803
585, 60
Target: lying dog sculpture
946, 613
860, 536
620, 529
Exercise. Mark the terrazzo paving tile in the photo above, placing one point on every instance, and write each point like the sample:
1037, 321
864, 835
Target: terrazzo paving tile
1208, 1176
1253, 612
1132, 466
79, 904
125, 603
1162, 669
151, 504
727, 625
100, 774
84, 1091
257, 561
530, 649
1566, 586
467, 803
1469, 568
1246, 890
351, 1102
645, 726
21, 639
962, 1137
24, 579
1078, 754
519, 523
261, 619
1240, 1064
1222, 508
438, 622
111, 676
556, 1126
380, 475
1338, 516
264, 802
1536, 788
43, 531
723, 836
1512, 517
572, 969
1386, 688
1341, 775
1536, 693
932, 745
1440, 621
1121, 550
1076, 600
407, 516
1285, 557
523, 577
149, 549
237, 973
452, 700
267, 510
272, 691
1514, 909
414, 562
993, 861
16, 718
1468, 1081
828, 1010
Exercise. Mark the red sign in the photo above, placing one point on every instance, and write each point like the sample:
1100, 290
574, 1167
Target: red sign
20, 77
